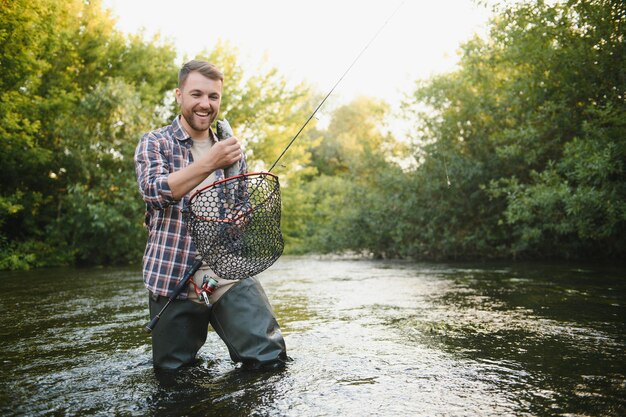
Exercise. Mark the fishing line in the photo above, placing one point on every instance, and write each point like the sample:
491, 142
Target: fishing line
235, 222
445, 166
337, 83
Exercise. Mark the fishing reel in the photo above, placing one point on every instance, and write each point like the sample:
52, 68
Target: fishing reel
208, 287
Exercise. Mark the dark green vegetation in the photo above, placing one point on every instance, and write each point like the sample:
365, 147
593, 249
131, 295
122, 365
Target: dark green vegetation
530, 131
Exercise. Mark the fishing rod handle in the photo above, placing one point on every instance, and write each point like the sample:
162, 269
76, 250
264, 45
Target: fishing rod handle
150, 326
179, 288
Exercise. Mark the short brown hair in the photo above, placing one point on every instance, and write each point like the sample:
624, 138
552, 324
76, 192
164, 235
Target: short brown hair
203, 67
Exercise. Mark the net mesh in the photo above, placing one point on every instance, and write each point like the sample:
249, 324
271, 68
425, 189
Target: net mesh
235, 224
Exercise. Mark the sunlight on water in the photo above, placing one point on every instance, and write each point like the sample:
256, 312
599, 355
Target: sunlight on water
366, 338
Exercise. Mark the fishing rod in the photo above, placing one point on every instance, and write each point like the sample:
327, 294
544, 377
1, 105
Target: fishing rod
179, 288
239, 240
337, 83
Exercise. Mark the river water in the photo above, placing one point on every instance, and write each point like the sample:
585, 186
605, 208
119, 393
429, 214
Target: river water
374, 338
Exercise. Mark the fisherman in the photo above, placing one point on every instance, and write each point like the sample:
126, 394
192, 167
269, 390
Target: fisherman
172, 162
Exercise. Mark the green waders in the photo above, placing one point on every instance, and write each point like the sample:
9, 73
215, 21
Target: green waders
242, 317
181, 332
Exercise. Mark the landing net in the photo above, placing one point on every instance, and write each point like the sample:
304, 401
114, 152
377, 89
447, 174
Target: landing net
235, 224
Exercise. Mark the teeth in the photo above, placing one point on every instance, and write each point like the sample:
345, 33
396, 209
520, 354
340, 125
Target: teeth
202, 114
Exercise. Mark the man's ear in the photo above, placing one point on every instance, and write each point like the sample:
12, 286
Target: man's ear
178, 93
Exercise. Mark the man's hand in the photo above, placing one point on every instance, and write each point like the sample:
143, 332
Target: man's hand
221, 155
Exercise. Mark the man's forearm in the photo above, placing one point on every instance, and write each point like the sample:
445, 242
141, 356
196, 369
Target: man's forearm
183, 181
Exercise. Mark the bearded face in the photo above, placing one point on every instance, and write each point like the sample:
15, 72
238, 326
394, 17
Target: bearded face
199, 99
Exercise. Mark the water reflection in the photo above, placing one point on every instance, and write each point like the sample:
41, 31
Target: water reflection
564, 330
210, 390
367, 338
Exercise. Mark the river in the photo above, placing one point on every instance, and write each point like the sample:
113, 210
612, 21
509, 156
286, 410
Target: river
367, 338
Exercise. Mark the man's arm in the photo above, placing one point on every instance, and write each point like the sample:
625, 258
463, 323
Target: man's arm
152, 169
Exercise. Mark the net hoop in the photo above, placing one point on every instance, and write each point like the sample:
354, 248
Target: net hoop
235, 224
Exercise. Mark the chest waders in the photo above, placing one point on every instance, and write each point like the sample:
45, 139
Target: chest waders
242, 318
245, 321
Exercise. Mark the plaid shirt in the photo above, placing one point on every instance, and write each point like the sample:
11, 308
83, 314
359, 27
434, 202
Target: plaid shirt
169, 251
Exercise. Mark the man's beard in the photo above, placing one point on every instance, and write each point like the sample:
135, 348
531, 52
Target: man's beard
190, 118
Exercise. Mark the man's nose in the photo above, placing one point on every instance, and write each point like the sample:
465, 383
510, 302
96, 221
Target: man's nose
205, 102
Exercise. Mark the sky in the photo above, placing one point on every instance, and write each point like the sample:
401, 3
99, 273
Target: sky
317, 41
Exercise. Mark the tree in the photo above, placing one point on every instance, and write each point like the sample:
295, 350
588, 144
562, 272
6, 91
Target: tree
355, 196
66, 130
529, 129
77, 99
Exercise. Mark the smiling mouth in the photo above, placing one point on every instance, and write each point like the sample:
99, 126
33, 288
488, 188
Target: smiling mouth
201, 114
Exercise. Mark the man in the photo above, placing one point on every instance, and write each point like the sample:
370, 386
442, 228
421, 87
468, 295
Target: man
171, 162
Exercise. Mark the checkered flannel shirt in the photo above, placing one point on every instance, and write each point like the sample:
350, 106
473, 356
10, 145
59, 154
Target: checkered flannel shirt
169, 251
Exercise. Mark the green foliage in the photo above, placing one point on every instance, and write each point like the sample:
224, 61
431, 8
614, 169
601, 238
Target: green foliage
572, 204
531, 129
519, 152
355, 197
75, 97
102, 209
577, 204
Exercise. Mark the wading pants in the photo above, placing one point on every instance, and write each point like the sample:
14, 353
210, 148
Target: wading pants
242, 317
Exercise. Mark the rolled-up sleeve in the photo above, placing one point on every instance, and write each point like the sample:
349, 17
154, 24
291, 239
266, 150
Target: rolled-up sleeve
152, 168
